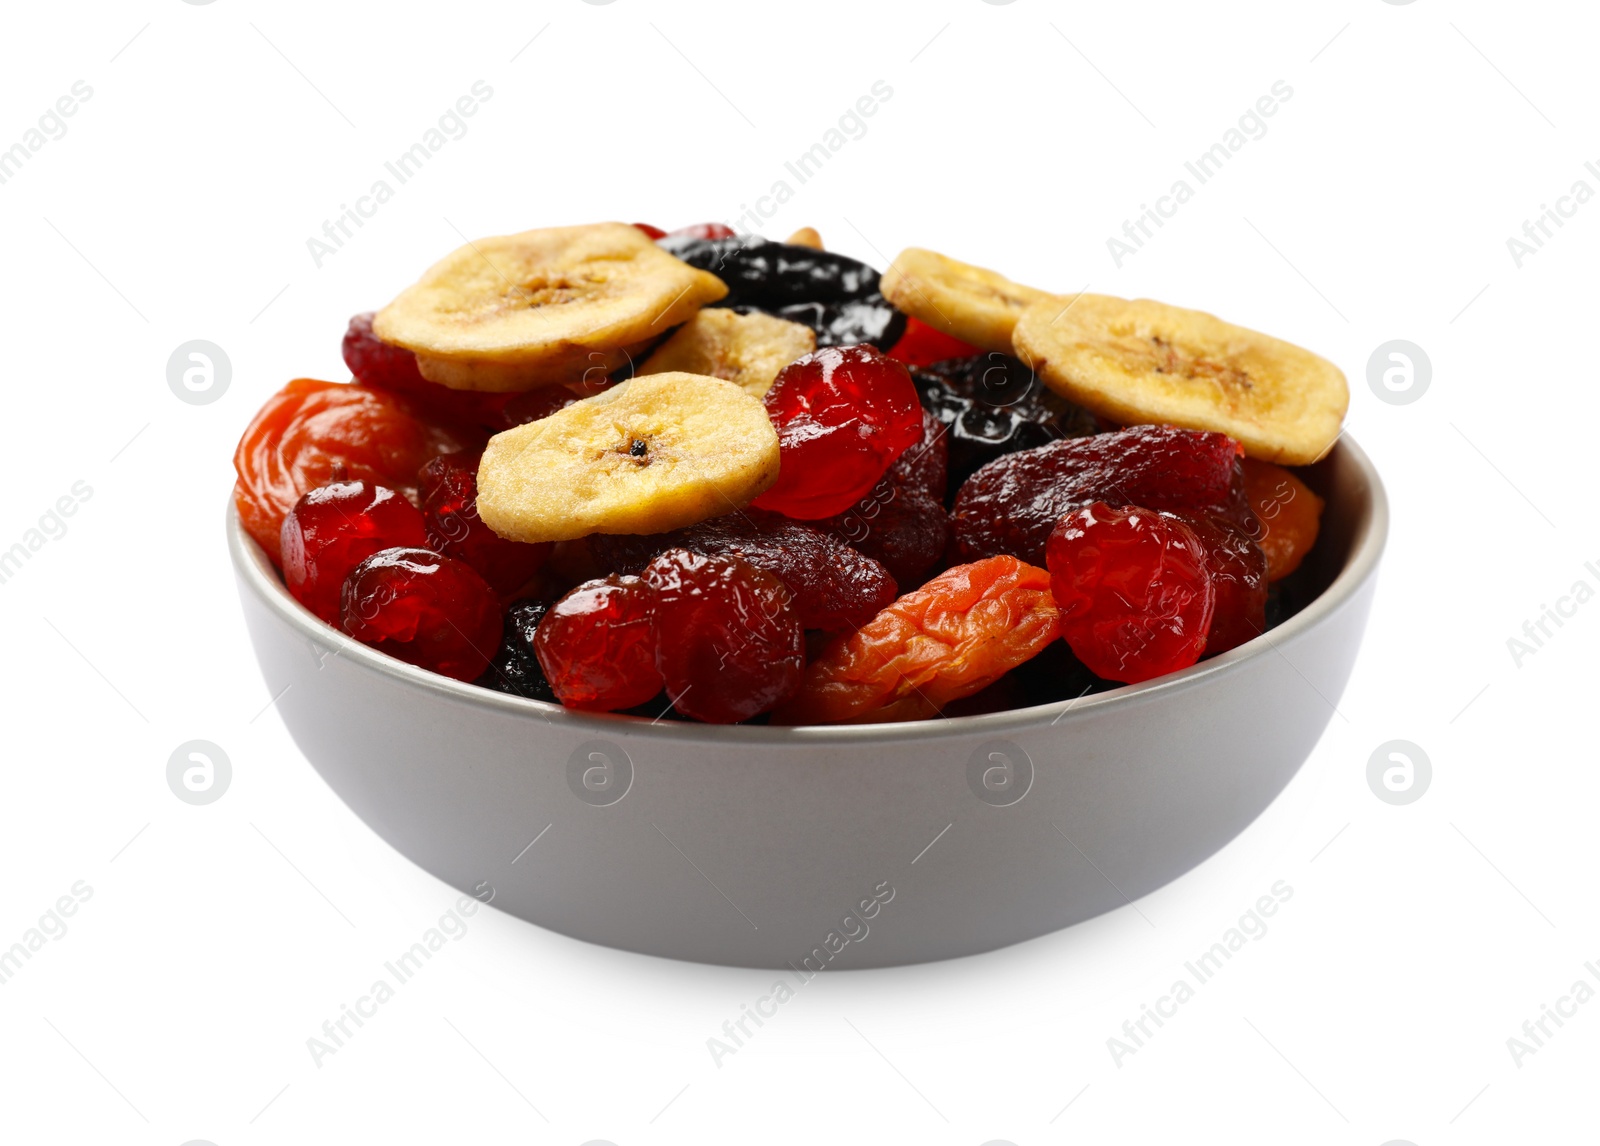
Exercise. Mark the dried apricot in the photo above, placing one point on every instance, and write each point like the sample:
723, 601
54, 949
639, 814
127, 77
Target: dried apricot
310, 433
958, 633
1290, 515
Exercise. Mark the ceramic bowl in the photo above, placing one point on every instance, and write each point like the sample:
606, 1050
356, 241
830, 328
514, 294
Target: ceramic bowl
824, 847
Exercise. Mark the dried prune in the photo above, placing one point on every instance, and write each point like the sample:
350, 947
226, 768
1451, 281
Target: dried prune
515, 667
425, 608
994, 404
1012, 504
1135, 595
947, 640
729, 644
834, 586
843, 415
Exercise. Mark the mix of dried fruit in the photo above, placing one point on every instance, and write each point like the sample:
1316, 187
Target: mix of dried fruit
707, 476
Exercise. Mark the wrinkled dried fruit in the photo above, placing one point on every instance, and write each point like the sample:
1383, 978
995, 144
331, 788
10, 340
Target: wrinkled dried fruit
422, 607
902, 521
334, 528
1135, 596
834, 586
515, 668
448, 487
1288, 512
1012, 504
597, 645
949, 639
729, 643
992, 404
1238, 571
843, 415
311, 433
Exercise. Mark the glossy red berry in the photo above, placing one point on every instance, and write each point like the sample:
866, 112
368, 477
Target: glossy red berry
1135, 596
922, 345
700, 231
1238, 570
729, 642
335, 527
378, 364
652, 232
448, 487
843, 415
425, 608
597, 645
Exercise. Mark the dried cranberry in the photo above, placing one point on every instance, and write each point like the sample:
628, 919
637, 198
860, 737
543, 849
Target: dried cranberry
1012, 504
597, 645
699, 231
1238, 570
515, 667
1135, 596
843, 415
993, 404
902, 522
448, 487
392, 368
335, 527
730, 644
425, 608
922, 345
834, 586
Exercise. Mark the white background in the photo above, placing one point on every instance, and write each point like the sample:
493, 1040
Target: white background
218, 939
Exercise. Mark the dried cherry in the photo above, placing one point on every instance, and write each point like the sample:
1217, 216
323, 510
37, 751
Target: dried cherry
834, 586
311, 433
1134, 590
1238, 571
448, 488
376, 363
843, 415
597, 645
335, 527
729, 643
923, 345
425, 608
1012, 504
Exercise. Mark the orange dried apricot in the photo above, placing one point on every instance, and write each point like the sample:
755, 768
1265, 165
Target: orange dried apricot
1289, 512
957, 634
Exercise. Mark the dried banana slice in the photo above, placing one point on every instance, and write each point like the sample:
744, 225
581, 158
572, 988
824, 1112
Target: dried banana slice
1143, 361
746, 349
502, 377
518, 311
657, 453
970, 303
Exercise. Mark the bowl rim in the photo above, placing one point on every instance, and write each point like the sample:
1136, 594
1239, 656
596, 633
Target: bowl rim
255, 571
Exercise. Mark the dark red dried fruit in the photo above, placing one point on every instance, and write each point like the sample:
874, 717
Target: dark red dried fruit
597, 645
1012, 504
902, 522
653, 232
843, 415
334, 528
834, 586
425, 608
1238, 570
448, 487
729, 643
1132, 585
392, 368
922, 345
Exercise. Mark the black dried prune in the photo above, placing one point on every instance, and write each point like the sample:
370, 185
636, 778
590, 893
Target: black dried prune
994, 404
515, 669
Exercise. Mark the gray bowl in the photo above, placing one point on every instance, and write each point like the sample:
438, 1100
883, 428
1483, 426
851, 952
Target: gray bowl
823, 847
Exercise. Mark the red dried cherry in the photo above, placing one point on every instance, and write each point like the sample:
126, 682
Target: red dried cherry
311, 433
653, 233
334, 528
376, 363
597, 645
729, 643
448, 487
923, 345
425, 608
843, 415
1238, 570
1135, 596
